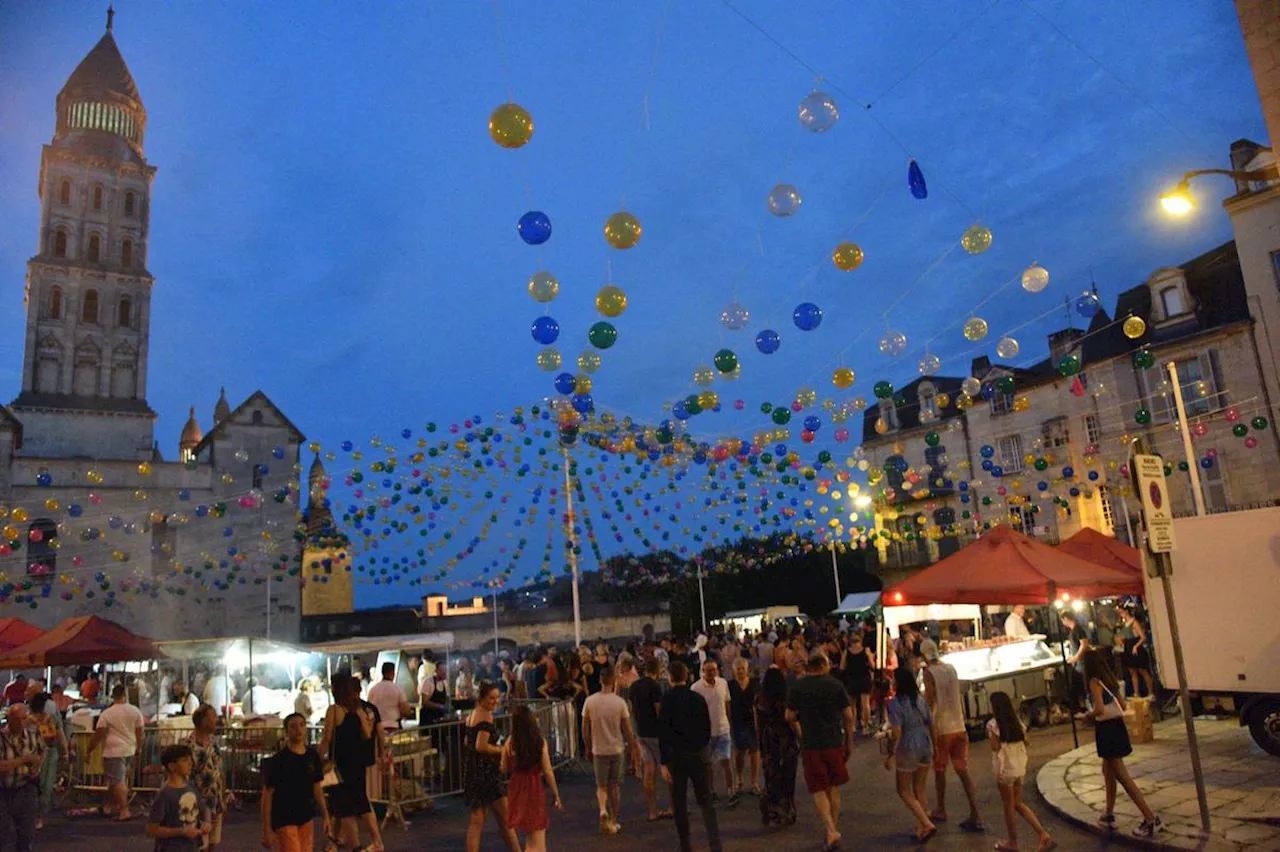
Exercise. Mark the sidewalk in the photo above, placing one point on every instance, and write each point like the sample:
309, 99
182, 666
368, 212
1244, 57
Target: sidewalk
1241, 780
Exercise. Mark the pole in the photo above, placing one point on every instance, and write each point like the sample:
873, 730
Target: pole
835, 573
495, 621
1164, 569
268, 603
573, 557
702, 599
1197, 493
1066, 667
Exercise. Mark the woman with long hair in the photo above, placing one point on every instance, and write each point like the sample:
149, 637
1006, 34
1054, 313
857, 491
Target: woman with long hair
857, 665
350, 738
1137, 656
779, 750
911, 745
526, 759
1008, 740
1112, 742
483, 787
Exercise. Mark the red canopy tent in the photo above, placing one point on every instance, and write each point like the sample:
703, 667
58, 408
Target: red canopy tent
1091, 545
1006, 567
15, 632
86, 640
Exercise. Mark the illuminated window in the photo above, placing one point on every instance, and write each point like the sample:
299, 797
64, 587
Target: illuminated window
97, 198
1092, 428
95, 248
125, 315
55, 303
1108, 513
126, 253
64, 194
90, 311
59, 243
130, 202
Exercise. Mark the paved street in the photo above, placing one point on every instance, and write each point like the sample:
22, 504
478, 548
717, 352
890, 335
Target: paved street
873, 818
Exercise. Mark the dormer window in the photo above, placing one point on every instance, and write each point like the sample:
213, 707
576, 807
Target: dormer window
64, 193
889, 414
1169, 297
928, 401
1171, 301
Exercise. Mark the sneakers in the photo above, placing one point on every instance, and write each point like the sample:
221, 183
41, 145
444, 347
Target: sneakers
734, 798
1148, 828
1107, 821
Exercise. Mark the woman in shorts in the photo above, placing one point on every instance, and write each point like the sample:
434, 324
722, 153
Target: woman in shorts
1008, 740
911, 745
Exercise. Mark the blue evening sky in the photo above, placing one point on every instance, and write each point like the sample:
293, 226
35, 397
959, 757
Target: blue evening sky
332, 224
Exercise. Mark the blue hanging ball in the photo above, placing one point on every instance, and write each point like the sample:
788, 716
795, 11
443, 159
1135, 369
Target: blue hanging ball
915, 180
987, 451
406, 433
1042, 485
44, 479
1068, 472
997, 470
988, 464
1093, 476
534, 227
1206, 462
564, 383
1074, 492
1088, 305
347, 446
988, 391
812, 423
807, 316
75, 510
545, 330
582, 403
964, 498
679, 411
768, 341
277, 452
964, 486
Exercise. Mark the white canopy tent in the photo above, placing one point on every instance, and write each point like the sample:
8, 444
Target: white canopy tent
373, 644
856, 602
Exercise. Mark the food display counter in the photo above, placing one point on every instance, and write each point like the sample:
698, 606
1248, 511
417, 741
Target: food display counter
1023, 669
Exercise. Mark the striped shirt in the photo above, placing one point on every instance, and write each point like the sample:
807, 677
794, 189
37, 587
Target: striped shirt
13, 747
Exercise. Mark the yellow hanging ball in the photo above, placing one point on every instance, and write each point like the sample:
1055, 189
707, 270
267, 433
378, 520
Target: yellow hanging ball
976, 239
708, 400
942, 400
611, 301
144, 468
847, 257
881, 429
511, 126
975, 328
582, 384
842, 378
1134, 327
51, 504
1021, 404
20, 515
622, 230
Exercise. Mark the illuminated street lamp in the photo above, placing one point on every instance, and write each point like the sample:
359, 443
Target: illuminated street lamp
1179, 201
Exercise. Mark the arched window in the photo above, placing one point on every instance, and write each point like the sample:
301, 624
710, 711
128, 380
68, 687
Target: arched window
129, 202
97, 198
95, 248
124, 317
55, 303
59, 243
90, 310
257, 418
126, 253
64, 194
42, 556
1171, 300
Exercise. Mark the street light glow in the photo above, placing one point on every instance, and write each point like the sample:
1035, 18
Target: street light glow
1178, 201
862, 501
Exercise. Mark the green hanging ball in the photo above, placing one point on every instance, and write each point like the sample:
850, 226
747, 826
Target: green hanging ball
1182, 466
766, 407
1259, 423
1239, 430
1005, 384
1143, 359
1068, 365
725, 361
986, 501
882, 390
932, 439
1142, 416
602, 335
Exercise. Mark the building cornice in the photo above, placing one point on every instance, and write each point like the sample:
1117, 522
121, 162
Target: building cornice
79, 271
1245, 201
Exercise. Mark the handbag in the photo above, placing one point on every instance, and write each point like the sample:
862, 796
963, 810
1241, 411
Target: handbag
883, 741
332, 777
1110, 710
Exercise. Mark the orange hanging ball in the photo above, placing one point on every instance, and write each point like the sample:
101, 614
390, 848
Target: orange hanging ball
511, 126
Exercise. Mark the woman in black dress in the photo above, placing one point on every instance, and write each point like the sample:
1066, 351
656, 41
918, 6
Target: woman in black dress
483, 787
779, 751
1112, 741
856, 663
351, 739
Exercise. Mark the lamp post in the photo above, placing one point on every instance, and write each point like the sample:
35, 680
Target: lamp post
1179, 201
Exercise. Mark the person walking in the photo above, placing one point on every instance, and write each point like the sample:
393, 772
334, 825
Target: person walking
779, 751
684, 730
1111, 739
21, 756
606, 730
1008, 739
293, 792
715, 691
351, 737
526, 759
646, 699
206, 774
857, 665
483, 787
911, 746
119, 733
174, 822
950, 739
742, 729
1078, 643
44, 716
821, 707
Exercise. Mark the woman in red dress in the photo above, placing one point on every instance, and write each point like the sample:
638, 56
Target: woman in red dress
526, 758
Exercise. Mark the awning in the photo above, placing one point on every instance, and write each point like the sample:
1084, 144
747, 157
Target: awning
1104, 550
15, 632
373, 644
857, 602
86, 640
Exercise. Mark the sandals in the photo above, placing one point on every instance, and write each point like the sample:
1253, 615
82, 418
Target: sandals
921, 838
660, 817
973, 826
1005, 847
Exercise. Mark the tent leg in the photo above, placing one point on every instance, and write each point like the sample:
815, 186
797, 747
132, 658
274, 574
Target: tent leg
1071, 682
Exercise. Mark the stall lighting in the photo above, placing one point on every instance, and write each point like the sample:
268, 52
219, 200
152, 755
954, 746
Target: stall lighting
1077, 605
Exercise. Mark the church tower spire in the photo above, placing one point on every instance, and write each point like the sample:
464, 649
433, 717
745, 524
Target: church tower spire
88, 289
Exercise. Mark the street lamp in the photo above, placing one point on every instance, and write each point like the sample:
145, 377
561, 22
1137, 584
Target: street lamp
1179, 201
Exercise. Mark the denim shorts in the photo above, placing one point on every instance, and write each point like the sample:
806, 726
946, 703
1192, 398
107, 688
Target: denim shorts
116, 769
912, 758
718, 748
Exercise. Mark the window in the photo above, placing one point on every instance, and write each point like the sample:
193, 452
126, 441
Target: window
1023, 519
889, 414
55, 303
1092, 428
257, 475
124, 318
126, 253
1055, 432
89, 313
895, 472
1001, 403
95, 248
1108, 512
934, 457
928, 402
1214, 480
59, 243
130, 203
257, 418
1199, 380
64, 194
97, 198
1009, 450
1171, 300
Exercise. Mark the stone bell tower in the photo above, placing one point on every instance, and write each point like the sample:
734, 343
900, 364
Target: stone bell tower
88, 294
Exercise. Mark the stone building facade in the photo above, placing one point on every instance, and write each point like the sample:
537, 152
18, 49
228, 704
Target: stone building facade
95, 519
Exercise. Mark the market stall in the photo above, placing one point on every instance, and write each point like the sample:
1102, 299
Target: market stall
759, 619
15, 632
1101, 549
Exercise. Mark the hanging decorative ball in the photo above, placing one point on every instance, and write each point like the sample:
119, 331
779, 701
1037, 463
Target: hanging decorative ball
734, 316
882, 390
611, 301
549, 359
932, 439
915, 181
806, 397
818, 112
1200, 430
784, 200
734, 374
1134, 327
807, 316
708, 400
703, 377
970, 386
1087, 304
942, 400
589, 361
976, 239
842, 378
893, 343
602, 335
534, 227
1005, 384
1068, 365
543, 286
1259, 423
1007, 348
1232, 414
1021, 404
881, 428
511, 126
929, 365
1142, 416
1143, 359
975, 328
725, 360
1035, 278
44, 479
545, 330
768, 341
622, 230
564, 383
1240, 430
847, 257
1251, 442
781, 415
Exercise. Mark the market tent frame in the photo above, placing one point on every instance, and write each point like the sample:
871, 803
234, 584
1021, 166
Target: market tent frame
856, 602
14, 633
372, 644
84, 640
1103, 549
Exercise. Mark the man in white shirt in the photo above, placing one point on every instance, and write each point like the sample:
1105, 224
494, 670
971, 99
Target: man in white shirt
219, 693
119, 732
1015, 625
389, 698
715, 691
606, 731
950, 739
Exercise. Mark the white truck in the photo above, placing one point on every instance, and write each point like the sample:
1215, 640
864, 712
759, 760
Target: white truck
1226, 591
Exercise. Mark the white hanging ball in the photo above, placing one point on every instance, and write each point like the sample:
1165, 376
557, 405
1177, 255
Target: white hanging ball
893, 343
818, 112
929, 365
1007, 348
734, 316
784, 200
1035, 278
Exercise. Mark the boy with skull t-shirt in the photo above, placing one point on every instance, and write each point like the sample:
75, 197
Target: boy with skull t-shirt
175, 813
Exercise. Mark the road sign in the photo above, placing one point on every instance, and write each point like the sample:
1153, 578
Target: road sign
1156, 506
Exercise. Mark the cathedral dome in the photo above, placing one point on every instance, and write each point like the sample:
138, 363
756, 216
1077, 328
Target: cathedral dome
191, 434
101, 95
